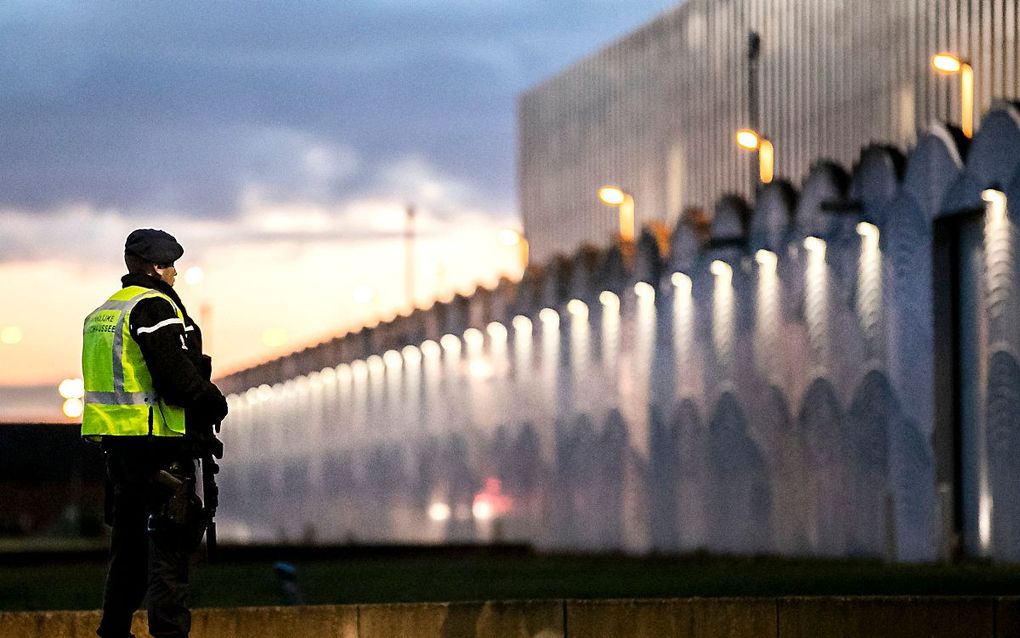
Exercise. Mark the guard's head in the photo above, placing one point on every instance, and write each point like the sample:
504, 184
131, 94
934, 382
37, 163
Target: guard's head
152, 252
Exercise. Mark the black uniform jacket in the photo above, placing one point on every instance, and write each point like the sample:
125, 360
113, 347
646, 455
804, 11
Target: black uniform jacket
173, 354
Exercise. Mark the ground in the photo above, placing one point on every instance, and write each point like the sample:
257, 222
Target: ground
432, 576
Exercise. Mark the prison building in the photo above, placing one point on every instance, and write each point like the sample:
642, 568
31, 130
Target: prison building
656, 111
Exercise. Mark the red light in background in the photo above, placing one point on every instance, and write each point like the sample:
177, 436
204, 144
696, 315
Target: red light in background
491, 502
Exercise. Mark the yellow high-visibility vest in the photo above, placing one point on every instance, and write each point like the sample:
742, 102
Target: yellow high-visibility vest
119, 397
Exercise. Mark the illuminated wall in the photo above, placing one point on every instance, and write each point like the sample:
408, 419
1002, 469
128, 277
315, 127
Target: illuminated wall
808, 381
655, 112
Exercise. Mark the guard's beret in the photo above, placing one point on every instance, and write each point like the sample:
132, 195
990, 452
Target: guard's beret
155, 246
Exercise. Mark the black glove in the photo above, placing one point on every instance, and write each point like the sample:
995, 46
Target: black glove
215, 408
206, 367
214, 404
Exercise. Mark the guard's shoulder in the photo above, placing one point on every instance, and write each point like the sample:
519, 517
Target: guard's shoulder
157, 306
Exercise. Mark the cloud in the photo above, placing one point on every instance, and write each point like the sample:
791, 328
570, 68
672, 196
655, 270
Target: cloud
270, 210
284, 164
184, 108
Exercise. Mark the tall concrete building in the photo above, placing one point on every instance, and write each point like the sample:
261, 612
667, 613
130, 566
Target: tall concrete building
656, 111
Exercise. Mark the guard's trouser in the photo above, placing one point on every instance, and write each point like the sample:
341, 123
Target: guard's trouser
142, 562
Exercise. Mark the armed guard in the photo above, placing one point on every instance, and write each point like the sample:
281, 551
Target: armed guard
151, 405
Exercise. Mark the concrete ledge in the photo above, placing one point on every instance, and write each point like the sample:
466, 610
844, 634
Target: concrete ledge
333, 621
473, 620
696, 618
897, 617
50, 624
929, 617
1007, 617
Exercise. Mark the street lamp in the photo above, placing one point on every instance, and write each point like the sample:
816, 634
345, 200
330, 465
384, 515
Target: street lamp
618, 198
510, 237
751, 140
950, 64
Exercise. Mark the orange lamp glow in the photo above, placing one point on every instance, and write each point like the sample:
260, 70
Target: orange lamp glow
618, 198
612, 195
748, 139
951, 64
751, 140
946, 63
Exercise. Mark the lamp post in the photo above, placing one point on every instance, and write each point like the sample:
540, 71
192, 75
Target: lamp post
618, 198
510, 237
751, 140
753, 105
950, 64
409, 271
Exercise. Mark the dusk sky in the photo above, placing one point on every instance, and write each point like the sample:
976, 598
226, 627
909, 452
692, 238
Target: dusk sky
279, 141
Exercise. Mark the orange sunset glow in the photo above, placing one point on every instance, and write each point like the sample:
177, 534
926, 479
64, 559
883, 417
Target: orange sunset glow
256, 299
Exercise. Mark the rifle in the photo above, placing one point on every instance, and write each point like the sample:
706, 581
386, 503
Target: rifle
211, 494
210, 447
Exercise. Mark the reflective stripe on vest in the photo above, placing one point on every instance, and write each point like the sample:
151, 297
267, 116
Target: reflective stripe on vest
123, 398
114, 407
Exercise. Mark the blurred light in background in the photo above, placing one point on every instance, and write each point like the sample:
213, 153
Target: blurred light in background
430, 349
375, 364
720, 268
364, 294
450, 343
612, 195
491, 502
412, 355
644, 290
609, 300
497, 331
681, 282
274, 337
72, 391
815, 245
392, 359
946, 63
522, 324
194, 276
71, 388
73, 408
11, 335
747, 139
766, 259
344, 374
481, 369
997, 203
865, 229
509, 237
359, 370
549, 317
577, 308
474, 339
265, 392
439, 512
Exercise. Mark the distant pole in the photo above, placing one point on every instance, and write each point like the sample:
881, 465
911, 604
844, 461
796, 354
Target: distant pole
409, 258
753, 105
205, 312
